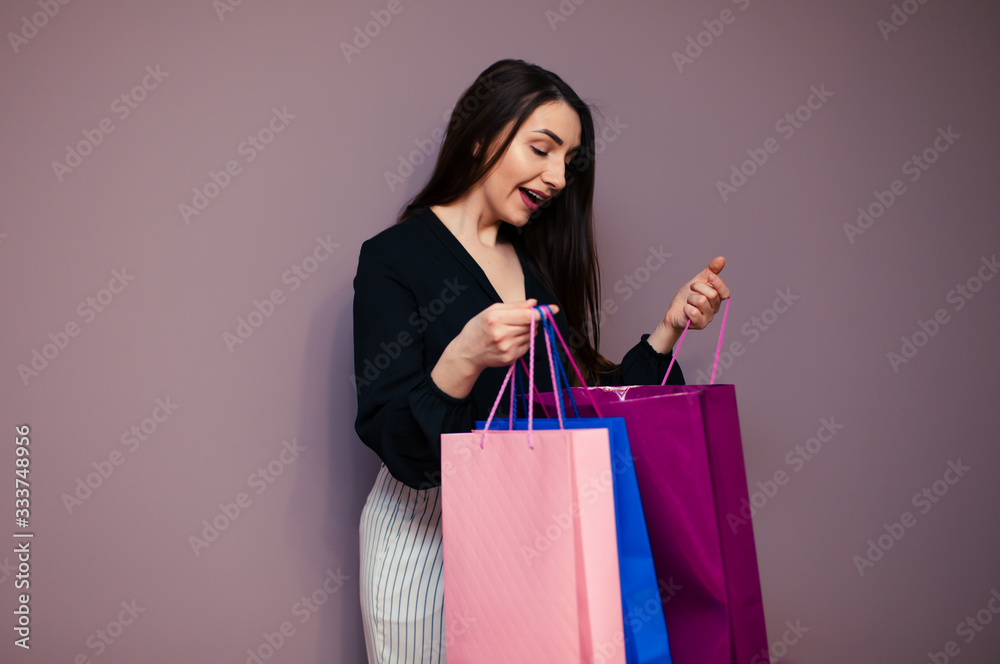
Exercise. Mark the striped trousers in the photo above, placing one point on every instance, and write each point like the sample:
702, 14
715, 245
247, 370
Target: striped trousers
402, 584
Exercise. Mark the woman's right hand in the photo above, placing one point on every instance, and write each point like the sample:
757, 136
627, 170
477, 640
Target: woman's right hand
495, 337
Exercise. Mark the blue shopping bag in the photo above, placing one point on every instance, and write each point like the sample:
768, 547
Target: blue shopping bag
645, 630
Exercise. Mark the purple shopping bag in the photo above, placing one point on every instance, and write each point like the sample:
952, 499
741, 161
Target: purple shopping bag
689, 465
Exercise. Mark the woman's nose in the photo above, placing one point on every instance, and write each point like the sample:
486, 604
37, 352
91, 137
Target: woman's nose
555, 177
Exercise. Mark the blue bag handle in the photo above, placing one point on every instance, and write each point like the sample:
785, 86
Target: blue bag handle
561, 376
549, 327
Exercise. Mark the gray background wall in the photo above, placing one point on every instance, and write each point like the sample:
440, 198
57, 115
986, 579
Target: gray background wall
674, 131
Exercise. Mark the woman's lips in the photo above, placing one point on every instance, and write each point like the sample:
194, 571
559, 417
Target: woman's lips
528, 201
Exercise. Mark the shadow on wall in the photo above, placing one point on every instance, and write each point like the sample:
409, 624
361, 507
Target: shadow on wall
328, 496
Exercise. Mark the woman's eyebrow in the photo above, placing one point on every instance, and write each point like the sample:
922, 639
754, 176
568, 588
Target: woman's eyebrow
555, 138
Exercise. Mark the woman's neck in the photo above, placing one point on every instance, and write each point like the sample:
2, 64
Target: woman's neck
468, 220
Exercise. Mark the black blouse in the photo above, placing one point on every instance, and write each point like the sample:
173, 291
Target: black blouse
415, 289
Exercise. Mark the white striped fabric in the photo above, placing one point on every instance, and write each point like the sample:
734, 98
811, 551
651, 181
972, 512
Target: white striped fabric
402, 586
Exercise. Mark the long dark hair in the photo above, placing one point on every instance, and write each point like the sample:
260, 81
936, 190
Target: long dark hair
560, 234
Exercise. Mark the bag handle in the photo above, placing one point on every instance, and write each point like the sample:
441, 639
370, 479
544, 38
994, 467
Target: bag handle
551, 333
718, 348
569, 356
531, 387
521, 392
563, 379
552, 367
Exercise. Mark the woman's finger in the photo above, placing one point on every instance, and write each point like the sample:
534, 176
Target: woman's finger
716, 282
524, 315
525, 304
695, 315
711, 294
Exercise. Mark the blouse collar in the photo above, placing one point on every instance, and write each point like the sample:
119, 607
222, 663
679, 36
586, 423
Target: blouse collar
443, 233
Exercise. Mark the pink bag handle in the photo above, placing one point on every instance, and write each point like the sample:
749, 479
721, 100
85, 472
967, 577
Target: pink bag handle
548, 313
531, 387
718, 348
538, 392
513, 405
507, 377
552, 370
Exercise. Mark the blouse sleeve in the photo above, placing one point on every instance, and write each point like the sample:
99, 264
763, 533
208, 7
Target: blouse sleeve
643, 365
401, 411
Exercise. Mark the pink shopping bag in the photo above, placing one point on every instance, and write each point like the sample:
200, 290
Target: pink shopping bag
692, 480
530, 553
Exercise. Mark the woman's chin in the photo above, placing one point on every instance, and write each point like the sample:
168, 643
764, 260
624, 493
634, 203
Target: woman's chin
519, 220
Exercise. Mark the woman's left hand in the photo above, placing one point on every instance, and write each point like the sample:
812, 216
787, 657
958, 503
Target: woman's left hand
697, 300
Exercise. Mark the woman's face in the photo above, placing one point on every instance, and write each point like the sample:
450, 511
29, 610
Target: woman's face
533, 168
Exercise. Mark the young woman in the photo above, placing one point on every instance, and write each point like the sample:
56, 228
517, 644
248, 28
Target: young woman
442, 305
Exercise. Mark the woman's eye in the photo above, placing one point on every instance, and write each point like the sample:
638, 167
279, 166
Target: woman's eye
539, 152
